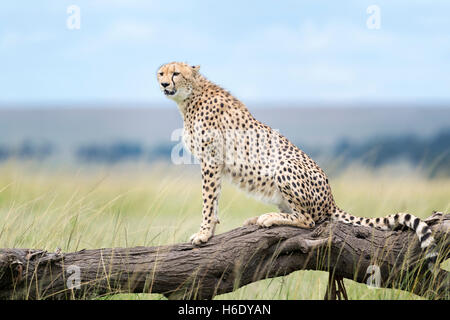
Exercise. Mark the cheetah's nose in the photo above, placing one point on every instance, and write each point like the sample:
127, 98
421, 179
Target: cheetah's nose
164, 84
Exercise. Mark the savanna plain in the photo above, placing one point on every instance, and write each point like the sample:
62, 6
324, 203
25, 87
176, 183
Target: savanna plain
150, 205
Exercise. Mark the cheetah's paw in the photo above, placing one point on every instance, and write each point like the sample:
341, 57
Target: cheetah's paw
250, 221
266, 220
200, 237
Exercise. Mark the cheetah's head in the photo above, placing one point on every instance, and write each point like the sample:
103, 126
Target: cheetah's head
176, 80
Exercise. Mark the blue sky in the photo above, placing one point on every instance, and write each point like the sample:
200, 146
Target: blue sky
262, 51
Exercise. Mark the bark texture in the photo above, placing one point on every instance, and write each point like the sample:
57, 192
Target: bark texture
229, 261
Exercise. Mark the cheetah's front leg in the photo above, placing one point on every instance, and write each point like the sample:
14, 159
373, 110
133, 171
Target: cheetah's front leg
211, 183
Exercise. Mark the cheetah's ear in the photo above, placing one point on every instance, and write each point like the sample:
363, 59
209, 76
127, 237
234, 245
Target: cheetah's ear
195, 68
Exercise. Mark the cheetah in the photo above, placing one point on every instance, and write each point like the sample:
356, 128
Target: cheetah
230, 143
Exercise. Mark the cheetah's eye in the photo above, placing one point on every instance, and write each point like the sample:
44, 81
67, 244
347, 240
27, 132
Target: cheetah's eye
176, 73
161, 73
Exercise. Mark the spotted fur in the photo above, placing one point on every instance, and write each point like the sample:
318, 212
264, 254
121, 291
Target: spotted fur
229, 142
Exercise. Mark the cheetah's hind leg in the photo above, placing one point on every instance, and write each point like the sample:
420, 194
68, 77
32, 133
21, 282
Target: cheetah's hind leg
281, 218
250, 221
253, 220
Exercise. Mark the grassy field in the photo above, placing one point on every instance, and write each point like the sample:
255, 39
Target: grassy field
145, 206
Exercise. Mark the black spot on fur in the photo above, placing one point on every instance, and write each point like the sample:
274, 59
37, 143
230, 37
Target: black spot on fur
416, 223
425, 237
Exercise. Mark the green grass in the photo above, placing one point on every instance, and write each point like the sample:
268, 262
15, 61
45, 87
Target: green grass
138, 205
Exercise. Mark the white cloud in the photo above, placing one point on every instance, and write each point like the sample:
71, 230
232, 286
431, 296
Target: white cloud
334, 60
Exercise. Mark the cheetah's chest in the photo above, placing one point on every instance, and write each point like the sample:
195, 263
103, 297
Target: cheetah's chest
257, 184
245, 165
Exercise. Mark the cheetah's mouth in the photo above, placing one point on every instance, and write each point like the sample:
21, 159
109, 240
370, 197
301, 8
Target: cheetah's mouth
169, 93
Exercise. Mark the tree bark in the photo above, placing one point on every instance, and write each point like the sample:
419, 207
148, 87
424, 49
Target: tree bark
229, 261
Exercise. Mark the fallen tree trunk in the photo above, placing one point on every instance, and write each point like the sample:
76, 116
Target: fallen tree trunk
229, 261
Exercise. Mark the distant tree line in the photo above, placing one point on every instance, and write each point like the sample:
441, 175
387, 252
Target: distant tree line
116, 152
432, 153
122, 151
27, 150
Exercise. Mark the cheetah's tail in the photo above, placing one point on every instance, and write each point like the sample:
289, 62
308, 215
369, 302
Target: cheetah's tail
392, 221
